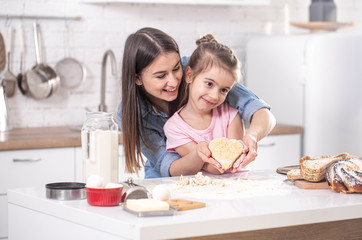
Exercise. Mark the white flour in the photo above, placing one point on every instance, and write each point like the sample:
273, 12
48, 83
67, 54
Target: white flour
235, 187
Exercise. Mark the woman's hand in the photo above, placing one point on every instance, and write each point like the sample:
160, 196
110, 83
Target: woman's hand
250, 150
237, 167
262, 124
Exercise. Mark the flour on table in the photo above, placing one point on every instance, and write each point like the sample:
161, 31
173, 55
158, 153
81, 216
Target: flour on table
206, 187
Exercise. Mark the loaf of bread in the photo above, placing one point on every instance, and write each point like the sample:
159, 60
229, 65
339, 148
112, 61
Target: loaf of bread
226, 151
345, 176
314, 168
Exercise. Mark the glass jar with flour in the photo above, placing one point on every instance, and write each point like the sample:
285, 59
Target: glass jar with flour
100, 146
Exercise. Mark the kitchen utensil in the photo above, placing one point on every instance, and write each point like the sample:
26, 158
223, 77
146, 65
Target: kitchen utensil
135, 191
2, 53
42, 81
4, 126
9, 79
169, 212
303, 184
182, 204
20, 77
286, 169
104, 196
72, 73
65, 191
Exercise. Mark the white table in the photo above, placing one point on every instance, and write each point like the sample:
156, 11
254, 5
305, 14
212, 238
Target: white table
33, 216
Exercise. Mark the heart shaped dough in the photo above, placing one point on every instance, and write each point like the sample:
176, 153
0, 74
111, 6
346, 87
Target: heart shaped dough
226, 151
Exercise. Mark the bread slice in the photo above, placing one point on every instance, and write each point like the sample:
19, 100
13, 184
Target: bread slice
226, 151
318, 166
315, 177
294, 174
314, 157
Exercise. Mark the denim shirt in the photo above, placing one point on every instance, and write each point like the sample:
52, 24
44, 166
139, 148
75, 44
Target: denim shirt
159, 160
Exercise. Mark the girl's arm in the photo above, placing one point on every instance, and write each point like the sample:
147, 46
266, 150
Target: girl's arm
194, 158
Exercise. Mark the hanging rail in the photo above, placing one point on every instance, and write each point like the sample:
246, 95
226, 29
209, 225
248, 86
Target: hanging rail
75, 18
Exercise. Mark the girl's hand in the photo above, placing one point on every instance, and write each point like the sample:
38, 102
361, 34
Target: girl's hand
204, 153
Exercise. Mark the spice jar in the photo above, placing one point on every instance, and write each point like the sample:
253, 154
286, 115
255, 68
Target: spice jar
100, 146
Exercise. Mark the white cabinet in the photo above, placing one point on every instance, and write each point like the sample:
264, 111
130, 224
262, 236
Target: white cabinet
123, 176
277, 151
32, 168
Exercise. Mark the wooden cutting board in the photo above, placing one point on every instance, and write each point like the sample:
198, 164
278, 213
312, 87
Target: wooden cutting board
311, 185
185, 204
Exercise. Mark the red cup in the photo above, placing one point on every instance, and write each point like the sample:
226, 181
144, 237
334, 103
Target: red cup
104, 196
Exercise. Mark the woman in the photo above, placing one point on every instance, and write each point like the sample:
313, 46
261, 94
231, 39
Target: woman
152, 85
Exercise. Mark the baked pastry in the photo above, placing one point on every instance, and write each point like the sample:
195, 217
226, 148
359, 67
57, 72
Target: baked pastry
345, 175
226, 151
314, 169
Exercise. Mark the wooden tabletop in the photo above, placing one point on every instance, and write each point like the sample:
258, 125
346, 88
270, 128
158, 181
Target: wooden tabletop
65, 136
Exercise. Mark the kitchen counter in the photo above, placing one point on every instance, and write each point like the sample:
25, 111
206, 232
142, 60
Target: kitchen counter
286, 212
64, 136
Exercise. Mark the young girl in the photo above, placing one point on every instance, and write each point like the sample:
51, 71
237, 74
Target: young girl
212, 71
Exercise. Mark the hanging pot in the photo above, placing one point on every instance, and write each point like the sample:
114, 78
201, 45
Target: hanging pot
42, 81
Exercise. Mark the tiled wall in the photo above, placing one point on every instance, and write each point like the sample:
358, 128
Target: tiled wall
106, 26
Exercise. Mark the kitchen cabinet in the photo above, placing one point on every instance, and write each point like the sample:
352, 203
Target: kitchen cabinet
26, 168
277, 151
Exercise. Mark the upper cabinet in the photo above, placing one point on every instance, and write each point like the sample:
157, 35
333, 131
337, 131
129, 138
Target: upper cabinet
186, 2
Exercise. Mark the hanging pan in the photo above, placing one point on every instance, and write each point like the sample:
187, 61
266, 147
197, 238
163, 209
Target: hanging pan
72, 73
42, 81
2, 53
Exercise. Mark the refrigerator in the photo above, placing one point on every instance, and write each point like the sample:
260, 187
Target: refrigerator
314, 81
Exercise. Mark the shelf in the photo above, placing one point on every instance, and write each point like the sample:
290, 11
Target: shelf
315, 27
73, 18
185, 2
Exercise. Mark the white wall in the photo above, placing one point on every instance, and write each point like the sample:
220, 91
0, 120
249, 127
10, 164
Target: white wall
107, 26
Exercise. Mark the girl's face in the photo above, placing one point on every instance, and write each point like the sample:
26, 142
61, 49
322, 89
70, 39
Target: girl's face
209, 88
161, 79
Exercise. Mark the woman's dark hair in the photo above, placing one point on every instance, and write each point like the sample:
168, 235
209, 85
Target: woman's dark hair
208, 53
141, 49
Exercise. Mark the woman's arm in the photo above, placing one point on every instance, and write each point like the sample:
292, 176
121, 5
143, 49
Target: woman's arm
262, 123
255, 112
236, 128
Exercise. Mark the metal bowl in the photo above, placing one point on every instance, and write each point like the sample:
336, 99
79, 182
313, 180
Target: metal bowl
66, 191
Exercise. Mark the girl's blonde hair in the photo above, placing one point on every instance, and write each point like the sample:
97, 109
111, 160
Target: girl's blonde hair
209, 53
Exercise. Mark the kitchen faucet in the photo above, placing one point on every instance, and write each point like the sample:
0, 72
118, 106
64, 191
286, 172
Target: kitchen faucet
102, 106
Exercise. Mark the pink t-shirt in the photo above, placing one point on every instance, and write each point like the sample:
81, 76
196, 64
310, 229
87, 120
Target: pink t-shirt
178, 132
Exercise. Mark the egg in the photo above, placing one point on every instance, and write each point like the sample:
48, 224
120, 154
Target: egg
95, 181
161, 192
113, 185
